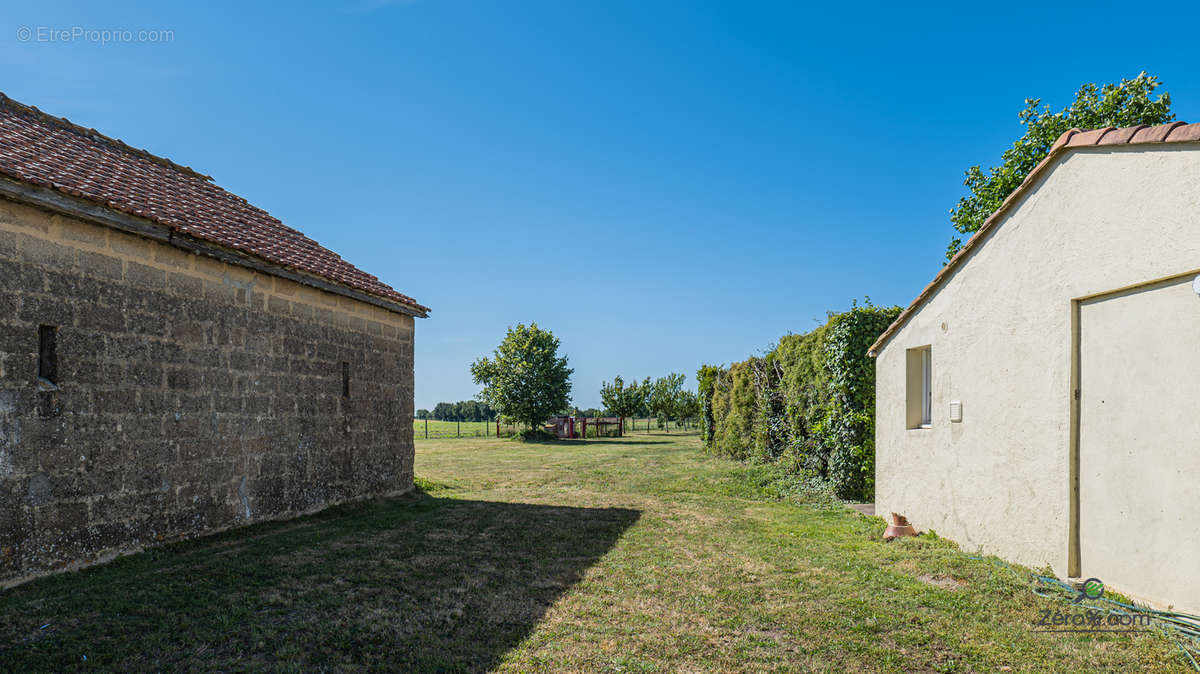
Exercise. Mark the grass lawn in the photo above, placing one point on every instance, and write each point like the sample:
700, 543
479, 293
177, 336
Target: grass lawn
633, 555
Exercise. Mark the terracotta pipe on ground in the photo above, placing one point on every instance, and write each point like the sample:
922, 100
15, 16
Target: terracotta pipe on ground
899, 528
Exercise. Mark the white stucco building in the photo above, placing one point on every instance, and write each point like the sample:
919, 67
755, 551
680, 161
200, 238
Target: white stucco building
1040, 399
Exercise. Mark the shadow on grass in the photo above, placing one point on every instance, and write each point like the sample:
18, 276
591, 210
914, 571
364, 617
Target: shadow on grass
415, 583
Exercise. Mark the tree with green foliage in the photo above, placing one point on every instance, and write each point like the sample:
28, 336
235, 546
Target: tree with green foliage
423, 414
621, 399
663, 399
687, 405
1127, 103
647, 387
525, 380
466, 410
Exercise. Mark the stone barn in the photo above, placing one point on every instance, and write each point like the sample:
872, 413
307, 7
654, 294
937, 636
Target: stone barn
175, 361
1039, 398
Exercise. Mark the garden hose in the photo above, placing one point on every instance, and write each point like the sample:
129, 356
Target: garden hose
1182, 629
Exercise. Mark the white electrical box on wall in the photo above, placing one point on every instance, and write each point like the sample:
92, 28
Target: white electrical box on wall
956, 411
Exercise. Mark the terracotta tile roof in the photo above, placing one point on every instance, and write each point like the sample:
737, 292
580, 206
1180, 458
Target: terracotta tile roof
52, 152
1173, 132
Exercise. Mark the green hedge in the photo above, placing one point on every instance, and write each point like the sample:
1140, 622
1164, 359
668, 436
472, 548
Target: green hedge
707, 377
808, 405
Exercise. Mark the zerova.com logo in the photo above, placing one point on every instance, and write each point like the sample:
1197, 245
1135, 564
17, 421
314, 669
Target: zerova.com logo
1092, 588
1089, 619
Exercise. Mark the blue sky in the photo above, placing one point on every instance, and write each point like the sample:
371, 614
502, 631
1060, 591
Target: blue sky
662, 184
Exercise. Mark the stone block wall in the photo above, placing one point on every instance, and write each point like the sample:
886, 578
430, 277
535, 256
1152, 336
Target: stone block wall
190, 395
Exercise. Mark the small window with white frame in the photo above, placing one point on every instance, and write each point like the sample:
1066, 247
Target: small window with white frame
919, 398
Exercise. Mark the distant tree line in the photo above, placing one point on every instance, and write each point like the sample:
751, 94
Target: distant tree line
464, 410
471, 410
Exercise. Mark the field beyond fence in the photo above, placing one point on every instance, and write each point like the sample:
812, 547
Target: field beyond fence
431, 428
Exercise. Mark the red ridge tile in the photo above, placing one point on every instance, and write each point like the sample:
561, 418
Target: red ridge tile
1184, 133
1088, 137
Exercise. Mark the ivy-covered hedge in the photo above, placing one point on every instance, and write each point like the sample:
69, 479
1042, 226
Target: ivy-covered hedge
808, 405
707, 377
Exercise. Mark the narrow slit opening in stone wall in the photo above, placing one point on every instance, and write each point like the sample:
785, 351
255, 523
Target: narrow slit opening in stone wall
48, 355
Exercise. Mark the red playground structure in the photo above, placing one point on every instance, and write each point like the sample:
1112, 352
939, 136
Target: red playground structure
571, 428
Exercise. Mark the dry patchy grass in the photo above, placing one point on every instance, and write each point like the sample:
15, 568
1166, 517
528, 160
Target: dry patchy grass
638, 554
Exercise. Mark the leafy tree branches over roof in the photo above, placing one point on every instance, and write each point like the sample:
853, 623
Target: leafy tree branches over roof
1127, 103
